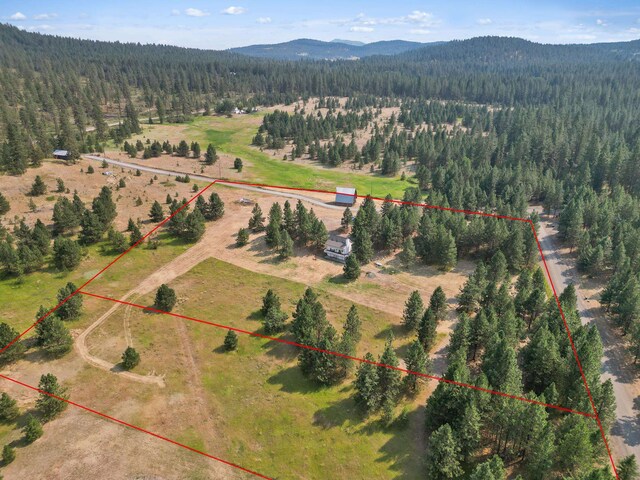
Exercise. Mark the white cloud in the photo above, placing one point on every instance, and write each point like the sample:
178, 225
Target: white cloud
18, 16
361, 29
601, 22
175, 12
195, 12
418, 16
264, 20
234, 10
45, 16
420, 31
484, 21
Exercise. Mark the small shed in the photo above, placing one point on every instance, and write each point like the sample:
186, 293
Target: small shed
346, 196
61, 154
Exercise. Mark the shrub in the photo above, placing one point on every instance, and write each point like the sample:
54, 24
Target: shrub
130, 358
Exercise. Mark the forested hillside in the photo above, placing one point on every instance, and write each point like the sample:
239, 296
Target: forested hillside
489, 124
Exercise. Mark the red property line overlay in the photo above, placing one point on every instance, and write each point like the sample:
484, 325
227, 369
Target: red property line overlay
266, 186
338, 354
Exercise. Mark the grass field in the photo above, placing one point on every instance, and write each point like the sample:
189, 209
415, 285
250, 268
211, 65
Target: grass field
22, 296
268, 417
233, 136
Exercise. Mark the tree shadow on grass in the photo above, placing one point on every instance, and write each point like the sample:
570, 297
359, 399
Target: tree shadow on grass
279, 350
291, 380
402, 450
339, 280
399, 331
339, 414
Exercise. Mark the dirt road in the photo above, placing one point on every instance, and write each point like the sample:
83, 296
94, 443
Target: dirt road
617, 363
203, 178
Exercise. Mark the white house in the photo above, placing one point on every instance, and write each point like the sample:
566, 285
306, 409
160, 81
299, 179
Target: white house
338, 248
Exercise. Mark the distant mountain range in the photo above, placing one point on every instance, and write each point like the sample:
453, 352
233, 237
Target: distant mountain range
309, 49
477, 50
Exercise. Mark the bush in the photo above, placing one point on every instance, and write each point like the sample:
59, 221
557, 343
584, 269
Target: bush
231, 341
8, 454
237, 164
90, 169
32, 429
8, 408
130, 358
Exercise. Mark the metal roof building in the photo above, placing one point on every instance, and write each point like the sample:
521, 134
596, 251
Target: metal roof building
346, 196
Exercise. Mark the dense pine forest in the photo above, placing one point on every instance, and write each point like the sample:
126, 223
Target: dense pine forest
548, 125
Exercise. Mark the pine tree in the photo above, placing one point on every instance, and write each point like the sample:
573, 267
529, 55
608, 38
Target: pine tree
135, 236
628, 468
8, 335
32, 429
215, 207
438, 303
366, 385
52, 335
347, 219
351, 269
230, 341
286, 246
362, 243
8, 454
156, 214
443, 455
211, 156
242, 238
427, 330
4, 205
492, 469
72, 308
38, 187
413, 311
130, 358
165, 298
575, 449
469, 431
53, 404
389, 380
352, 325
408, 254
66, 253
416, 361
256, 222
8, 408
194, 226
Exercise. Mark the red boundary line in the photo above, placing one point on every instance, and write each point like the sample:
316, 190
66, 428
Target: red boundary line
338, 354
435, 207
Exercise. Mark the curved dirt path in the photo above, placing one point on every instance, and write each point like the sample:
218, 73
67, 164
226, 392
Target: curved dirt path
204, 249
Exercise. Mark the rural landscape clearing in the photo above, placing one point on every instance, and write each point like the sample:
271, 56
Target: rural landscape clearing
306, 260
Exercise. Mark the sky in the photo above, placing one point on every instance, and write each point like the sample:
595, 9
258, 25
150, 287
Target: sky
221, 24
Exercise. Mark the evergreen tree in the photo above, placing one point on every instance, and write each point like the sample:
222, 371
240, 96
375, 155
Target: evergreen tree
194, 226
8, 408
353, 324
408, 254
230, 341
347, 219
38, 187
351, 269
413, 311
8, 335
211, 157
469, 431
156, 214
575, 450
52, 335
4, 205
443, 455
72, 308
256, 222
32, 429
628, 468
135, 236
416, 361
286, 246
66, 253
427, 330
366, 385
8, 454
492, 469
165, 298
438, 303
130, 358
242, 238
53, 404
